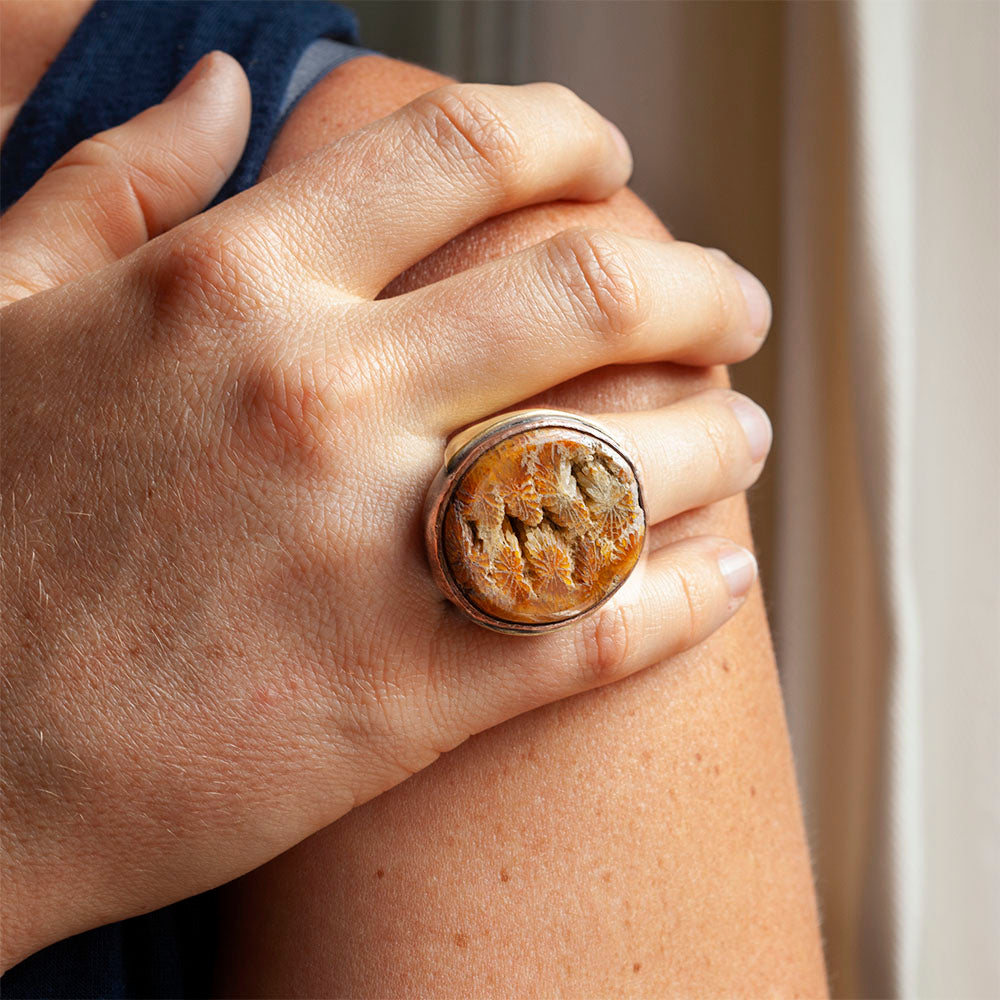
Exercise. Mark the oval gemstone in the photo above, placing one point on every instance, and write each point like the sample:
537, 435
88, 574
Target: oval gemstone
543, 526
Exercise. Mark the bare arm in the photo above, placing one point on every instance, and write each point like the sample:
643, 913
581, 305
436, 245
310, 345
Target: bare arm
643, 838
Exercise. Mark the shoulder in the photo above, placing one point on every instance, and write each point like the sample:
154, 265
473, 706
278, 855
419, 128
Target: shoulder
349, 96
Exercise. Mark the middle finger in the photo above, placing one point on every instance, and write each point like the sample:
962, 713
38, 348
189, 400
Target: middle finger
489, 337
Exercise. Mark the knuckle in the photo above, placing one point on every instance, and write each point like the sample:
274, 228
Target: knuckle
606, 641
113, 187
717, 434
594, 273
721, 308
464, 123
281, 415
559, 94
691, 608
97, 150
300, 415
564, 109
211, 276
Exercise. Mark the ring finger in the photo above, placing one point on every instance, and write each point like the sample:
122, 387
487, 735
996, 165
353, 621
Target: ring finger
694, 452
689, 454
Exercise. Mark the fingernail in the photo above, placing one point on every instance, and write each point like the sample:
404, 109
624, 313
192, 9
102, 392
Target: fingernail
620, 141
739, 568
199, 71
757, 299
755, 423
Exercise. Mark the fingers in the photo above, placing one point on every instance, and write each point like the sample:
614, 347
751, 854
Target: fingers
695, 452
485, 339
674, 600
116, 190
364, 209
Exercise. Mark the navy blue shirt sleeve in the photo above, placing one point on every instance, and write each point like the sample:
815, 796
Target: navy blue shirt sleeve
126, 55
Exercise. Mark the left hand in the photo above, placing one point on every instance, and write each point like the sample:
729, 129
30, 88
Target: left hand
122, 395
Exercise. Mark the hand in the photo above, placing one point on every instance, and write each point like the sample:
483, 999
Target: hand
120, 188
224, 629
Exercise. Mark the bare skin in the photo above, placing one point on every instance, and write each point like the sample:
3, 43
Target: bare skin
31, 36
641, 839
644, 838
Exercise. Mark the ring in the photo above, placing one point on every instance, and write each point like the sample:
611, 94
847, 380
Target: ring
534, 520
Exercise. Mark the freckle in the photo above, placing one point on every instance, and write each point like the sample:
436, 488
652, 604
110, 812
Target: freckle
504, 875
725, 666
753, 791
380, 873
697, 757
636, 966
461, 940
449, 840
647, 756
606, 876
716, 768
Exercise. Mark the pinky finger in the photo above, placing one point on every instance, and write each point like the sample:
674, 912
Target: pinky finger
676, 598
685, 592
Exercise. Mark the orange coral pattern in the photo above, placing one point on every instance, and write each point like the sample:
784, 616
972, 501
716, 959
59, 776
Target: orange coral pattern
543, 526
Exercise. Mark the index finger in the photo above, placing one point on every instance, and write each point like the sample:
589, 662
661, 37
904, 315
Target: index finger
362, 210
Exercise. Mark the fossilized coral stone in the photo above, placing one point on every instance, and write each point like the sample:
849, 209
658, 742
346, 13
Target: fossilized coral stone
543, 526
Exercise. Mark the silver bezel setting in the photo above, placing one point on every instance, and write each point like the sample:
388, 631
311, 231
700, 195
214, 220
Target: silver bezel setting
460, 453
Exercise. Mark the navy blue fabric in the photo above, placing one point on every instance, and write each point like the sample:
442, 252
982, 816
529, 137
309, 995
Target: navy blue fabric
123, 57
127, 54
167, 953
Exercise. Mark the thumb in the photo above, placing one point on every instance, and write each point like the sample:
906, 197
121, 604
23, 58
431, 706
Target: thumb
114, 191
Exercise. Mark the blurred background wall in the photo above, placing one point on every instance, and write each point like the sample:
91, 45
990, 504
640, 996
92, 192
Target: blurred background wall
847, 153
